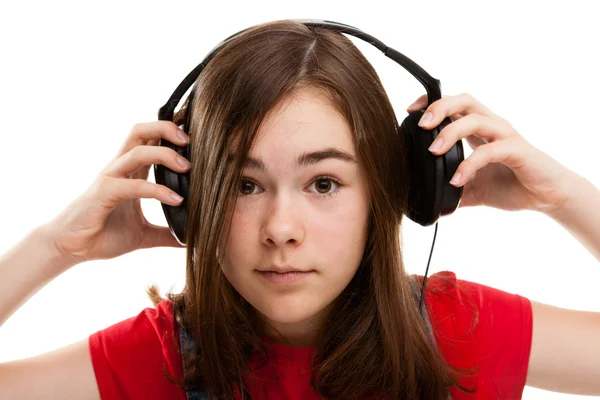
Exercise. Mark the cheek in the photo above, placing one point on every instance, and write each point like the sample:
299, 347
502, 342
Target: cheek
341, 240
347, 221
335, 233
241, 243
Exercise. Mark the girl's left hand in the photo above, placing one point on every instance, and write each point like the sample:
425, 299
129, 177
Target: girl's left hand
504, 171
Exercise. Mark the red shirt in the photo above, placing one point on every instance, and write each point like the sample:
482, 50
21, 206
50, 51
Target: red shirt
128, 357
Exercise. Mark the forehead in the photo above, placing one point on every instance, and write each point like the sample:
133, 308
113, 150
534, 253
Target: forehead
304, 119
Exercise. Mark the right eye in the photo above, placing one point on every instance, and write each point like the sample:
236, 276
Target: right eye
246, 187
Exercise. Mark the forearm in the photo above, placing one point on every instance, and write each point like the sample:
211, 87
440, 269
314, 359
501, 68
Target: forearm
26, 268
581, 214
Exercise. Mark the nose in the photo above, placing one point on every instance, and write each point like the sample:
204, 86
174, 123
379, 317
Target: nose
283, 222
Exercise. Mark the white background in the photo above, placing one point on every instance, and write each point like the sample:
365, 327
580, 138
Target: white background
75, 77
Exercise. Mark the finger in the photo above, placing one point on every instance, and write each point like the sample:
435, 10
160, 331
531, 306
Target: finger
505, 152
469, 196
111, 192
475, 141
142, 173
462, 103
455, 117
158, 236
142, 156
145, 131
144, 170
473, 124
419, 104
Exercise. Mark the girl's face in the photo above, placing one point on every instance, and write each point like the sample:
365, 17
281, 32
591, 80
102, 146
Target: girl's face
302, 203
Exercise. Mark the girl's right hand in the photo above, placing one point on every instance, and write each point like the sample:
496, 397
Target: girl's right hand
107, 220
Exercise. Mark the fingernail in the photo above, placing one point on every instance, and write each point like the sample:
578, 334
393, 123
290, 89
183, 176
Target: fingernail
455, 179
183, 162
426, 119
176, 197
183, 136
436, 145
413, 105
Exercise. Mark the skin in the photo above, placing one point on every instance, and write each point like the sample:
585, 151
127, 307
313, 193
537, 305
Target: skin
284, 216
565, 350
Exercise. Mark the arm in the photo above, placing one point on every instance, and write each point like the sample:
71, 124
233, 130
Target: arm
26, 268
92, 227
565, 352
61, 374
580, 215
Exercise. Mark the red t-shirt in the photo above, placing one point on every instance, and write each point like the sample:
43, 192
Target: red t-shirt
129, 357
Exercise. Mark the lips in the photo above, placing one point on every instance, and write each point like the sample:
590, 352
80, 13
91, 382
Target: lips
286, 278
282, 269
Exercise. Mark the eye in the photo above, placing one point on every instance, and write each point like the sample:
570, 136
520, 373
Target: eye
247, 185
323, 185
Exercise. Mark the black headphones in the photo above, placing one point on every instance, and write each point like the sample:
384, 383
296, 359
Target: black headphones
430, 193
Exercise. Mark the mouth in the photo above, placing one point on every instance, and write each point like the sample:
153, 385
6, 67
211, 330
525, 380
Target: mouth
282, 269
285, 277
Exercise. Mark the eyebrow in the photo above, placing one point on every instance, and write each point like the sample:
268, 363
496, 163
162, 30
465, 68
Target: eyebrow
306, 159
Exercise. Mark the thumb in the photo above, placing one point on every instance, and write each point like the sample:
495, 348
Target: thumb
159, 236
469, 196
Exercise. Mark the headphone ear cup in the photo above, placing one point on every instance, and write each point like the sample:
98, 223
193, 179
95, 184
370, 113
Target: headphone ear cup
176, 216
430, 193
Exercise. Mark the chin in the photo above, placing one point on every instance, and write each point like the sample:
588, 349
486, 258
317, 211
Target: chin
282, 312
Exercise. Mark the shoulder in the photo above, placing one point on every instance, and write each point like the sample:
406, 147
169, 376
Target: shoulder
465, 304
131, 353
480, 326
152, 329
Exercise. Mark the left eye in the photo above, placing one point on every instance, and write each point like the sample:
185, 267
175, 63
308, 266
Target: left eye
322, 185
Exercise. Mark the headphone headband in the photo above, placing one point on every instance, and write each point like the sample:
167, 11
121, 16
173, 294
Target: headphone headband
432, 86
430, 193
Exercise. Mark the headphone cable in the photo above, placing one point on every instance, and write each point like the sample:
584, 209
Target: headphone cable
427, 269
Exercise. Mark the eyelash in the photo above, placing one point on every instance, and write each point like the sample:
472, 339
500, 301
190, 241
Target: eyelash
320, 178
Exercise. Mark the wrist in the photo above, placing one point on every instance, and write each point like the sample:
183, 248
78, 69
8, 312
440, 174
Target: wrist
57, 260
580, 214
573, 188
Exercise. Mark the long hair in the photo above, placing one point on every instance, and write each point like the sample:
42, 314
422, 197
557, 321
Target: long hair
375, 344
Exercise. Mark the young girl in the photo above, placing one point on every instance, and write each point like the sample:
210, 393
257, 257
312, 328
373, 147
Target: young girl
298, 165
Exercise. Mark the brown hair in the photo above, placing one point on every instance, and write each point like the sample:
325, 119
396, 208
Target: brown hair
376, 315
